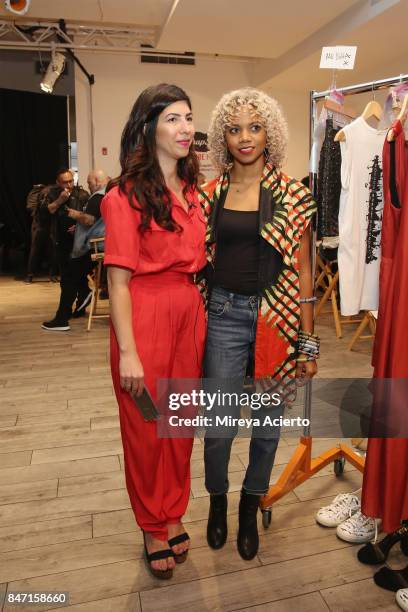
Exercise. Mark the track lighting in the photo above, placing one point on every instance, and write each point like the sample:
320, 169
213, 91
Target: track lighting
18, 7
54, 70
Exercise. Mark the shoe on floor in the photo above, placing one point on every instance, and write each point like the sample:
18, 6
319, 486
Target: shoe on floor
56, 325
248, 538
83, 302
401, 598
28, 278
391, 580
358, 529
375, 553
342, 507
217, 528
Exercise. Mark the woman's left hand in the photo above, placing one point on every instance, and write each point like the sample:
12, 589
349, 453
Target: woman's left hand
305, 370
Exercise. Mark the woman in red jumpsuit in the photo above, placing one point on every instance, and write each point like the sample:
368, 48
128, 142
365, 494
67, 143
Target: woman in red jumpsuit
154, 244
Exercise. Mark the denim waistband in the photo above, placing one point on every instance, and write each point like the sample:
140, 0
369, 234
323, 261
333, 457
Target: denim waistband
237, 298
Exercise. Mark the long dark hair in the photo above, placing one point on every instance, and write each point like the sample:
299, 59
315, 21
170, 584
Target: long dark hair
141, 177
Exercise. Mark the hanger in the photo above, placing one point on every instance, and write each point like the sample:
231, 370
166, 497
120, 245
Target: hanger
340, 109
401, 117
372, 109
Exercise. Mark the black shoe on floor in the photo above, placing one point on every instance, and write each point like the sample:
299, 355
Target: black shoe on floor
248, 539
217, 529
28, 278
56, 325
83, 302
373, 554
391, 580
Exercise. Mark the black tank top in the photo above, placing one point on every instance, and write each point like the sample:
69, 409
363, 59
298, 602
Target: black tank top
237, 254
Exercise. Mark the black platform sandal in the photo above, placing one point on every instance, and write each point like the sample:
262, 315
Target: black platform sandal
156, 556
373, 554
391, 580
182, 537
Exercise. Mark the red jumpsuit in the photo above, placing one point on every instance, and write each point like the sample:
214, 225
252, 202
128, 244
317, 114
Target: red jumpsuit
169, 330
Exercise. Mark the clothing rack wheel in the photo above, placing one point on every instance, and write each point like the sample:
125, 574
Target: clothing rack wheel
302, 466
368, 320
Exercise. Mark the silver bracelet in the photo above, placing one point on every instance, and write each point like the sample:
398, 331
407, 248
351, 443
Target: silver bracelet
307, 300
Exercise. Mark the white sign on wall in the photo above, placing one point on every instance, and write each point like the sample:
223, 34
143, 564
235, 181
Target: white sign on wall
338, 58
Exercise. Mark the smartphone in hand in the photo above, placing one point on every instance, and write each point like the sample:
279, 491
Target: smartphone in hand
146, 406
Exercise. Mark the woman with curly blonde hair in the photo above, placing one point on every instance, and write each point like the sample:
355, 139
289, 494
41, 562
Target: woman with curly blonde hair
259, 289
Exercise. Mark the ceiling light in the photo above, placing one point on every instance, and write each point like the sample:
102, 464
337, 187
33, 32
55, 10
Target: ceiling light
54, 70
18, 7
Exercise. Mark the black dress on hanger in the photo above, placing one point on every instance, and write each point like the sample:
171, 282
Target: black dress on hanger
329, 184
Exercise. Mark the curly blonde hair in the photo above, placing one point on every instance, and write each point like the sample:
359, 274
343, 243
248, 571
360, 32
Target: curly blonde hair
270, 115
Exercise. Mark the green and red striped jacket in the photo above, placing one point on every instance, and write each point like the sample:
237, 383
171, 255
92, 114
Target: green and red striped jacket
285, 210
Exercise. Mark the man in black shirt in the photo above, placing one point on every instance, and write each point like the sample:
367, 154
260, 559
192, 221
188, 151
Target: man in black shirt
74, 271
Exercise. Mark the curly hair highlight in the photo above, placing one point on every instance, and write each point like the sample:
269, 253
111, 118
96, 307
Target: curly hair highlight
270, 115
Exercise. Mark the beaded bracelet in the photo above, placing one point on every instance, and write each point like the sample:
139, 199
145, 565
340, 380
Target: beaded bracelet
308, 335
308, 345
307, 300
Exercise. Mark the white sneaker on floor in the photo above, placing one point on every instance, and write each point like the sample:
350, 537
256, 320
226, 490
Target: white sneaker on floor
401, 597
358, 529
342, 507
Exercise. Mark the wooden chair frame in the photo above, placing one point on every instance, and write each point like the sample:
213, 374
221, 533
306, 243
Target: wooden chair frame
95, 281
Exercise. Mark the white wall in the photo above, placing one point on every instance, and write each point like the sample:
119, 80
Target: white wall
119, 79
295, 106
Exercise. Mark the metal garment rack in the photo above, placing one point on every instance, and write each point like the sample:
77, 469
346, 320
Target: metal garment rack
302, 466
370, 86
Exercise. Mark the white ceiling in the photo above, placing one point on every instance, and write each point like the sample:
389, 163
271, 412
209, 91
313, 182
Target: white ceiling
254, 28
377, 57
129, 12
283, 37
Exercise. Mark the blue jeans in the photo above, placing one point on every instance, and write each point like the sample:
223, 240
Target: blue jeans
230, 344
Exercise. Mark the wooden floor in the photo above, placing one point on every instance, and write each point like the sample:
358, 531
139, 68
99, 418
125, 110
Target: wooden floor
65, 518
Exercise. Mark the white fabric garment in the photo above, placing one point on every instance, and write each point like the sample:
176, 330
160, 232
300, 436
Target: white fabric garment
360, 217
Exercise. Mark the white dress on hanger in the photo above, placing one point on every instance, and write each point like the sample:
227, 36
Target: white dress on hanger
360, 217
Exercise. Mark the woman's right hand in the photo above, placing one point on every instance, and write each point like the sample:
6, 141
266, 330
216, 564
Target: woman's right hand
131, 373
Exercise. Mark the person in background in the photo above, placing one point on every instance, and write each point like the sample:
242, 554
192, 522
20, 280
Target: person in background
41, 243
73, 205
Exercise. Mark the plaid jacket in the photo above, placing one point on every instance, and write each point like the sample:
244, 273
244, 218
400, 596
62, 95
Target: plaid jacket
285, 210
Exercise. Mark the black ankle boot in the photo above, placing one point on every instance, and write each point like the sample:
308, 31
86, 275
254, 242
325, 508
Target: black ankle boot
217, 529
373, 554
248, 539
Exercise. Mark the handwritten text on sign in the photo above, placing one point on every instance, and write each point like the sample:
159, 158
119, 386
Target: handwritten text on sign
340, 58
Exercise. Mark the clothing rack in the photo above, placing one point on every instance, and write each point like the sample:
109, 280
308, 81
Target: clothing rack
370, 86
302, 466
